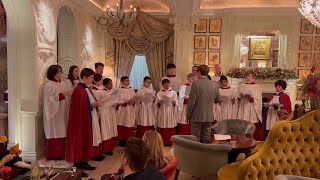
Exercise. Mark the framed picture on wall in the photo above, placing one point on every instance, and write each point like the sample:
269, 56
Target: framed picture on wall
306, 27
318, 30
259, 48
201, 26
214, 42
200, 41
215, 25
213, 58
199, 57
316, 57
305, 59
317, 43
306, 43
302, 74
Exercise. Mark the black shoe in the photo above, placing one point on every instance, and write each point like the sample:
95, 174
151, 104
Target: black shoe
109, 153
83, 174
87, 166
98, 158
122, 143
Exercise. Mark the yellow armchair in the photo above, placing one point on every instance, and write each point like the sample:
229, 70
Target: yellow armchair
292, 148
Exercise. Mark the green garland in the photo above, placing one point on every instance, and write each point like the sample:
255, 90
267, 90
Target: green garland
264, 73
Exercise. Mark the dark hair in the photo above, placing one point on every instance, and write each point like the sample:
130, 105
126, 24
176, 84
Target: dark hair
123, 78
146, 78
96, 65
209, 77
52, 71
281, 83
86, 72
169, 66
70, 74
106, 81
97, 77
137, 153
223, 78
165, 81
203, 70
247, 73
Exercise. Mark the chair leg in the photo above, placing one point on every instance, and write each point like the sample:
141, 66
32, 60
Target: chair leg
177, 174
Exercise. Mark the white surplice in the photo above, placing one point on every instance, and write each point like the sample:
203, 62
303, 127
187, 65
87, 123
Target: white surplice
145, 108
126, 114
272, 116
226, 109
70, 88
55, 112
175, 82
182, 108
167, 113
250, 111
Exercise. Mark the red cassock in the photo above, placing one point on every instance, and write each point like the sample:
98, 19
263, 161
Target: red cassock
79, 147
286, 102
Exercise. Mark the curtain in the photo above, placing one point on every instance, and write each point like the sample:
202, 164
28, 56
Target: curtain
124, 59
156, 64
138, 72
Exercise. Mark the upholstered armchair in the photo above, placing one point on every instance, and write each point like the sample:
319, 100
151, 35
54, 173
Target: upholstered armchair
289, 177
291, 148
197, 159
234, 126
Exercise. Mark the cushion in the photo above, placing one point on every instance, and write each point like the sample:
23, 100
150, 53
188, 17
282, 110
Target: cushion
225, 171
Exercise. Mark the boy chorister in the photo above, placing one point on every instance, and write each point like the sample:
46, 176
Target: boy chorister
175, 82
126, 111
183, 126
227, 107
145, 108
250, 103
167, 112
279, 102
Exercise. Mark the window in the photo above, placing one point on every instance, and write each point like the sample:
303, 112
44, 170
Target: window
138, 72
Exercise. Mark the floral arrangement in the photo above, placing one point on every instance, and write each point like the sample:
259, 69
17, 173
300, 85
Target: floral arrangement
311, 85
263, 73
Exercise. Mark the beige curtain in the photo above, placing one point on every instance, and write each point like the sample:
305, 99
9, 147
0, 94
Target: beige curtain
124, 58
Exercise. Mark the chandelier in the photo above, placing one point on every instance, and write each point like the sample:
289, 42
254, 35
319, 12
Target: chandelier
120, 15
310, 9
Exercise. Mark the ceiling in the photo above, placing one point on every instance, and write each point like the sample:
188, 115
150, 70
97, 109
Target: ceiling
199, 7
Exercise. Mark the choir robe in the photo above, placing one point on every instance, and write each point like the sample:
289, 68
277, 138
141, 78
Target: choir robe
167, 115
175, 82
79, 145
108, 122
272, 116
125, 114
55, 119
183, 126
226, 109
145, 112
251, 111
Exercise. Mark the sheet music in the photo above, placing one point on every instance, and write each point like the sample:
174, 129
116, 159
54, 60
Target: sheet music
221, 137
148, 97
166, 100
224, 98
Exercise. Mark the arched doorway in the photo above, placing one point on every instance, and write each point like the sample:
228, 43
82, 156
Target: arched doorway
66, 40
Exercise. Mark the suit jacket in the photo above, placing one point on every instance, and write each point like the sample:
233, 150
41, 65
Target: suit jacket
202, 96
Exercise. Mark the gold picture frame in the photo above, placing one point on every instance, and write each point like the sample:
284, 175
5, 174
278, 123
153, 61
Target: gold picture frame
306, 43
199, 57
317, 43
214, 42
201, 26
306, 27
259, 48
302, 74
213, 58
215, 25
305, 59
200, 41
316, 57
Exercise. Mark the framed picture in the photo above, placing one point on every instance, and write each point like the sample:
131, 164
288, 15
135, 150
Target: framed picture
213, 58
318, 30
316, 57
306, 27
199, 57
201, 26
306, 43
259, 48
302, 74
305, 59
214, 42
215, 25
317, 43
200, 41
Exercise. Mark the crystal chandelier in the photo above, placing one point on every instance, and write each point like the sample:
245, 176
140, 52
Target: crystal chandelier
121, 15
311, 10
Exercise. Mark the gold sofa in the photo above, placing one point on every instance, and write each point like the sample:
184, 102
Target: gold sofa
292, 148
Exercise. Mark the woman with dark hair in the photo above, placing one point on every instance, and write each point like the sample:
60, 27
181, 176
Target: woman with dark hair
55, 113
73, 77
